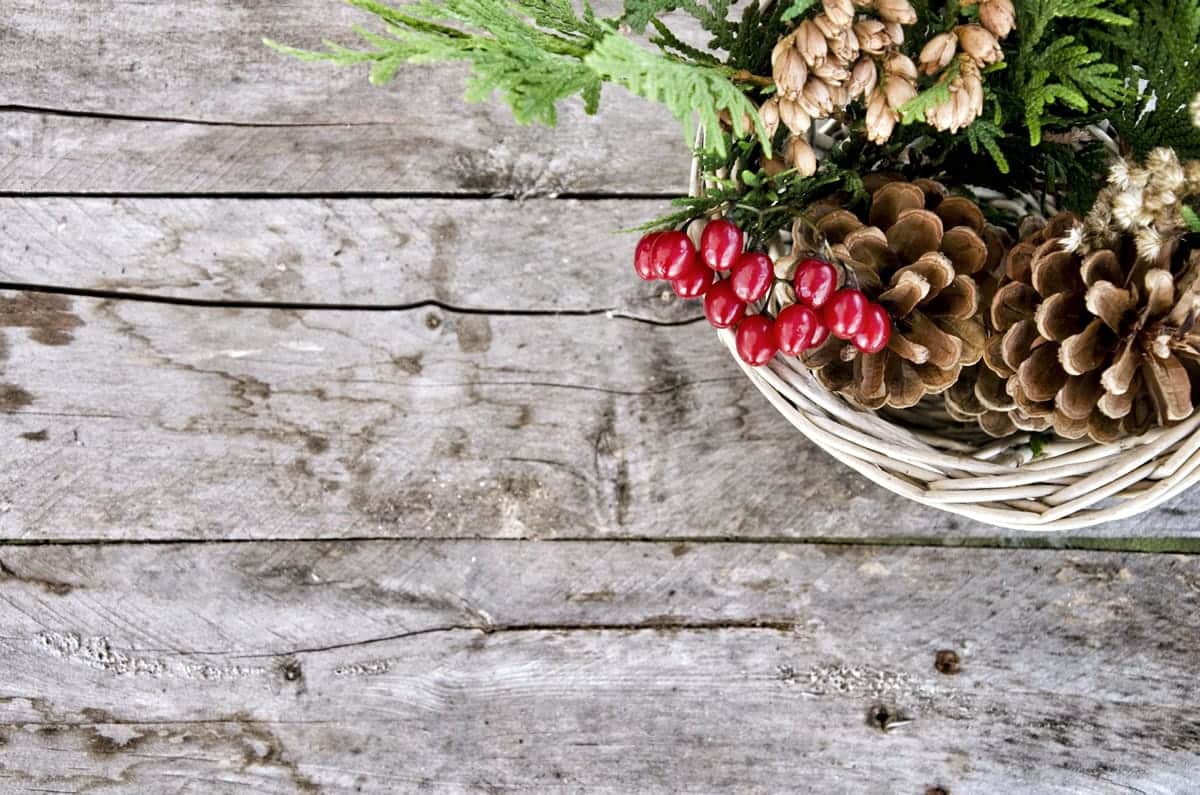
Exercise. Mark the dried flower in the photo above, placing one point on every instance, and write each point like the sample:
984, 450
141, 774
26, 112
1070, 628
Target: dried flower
843, 45
900, 11
794, 117
788, 66
881, 120
980, 44
872, 38
937, 53
801, 155
817, 95
998, 16
898, 91
895, 32
839, 12
770, 115
863, 78
900, 64
811, 42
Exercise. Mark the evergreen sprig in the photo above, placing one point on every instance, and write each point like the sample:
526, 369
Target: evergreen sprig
1161, 58
1051, 68
537, 53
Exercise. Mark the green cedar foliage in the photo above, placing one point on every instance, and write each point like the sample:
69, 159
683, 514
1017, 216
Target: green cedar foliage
1161, 56
536, 53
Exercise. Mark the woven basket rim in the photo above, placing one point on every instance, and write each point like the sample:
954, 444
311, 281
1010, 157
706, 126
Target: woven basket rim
1069, 485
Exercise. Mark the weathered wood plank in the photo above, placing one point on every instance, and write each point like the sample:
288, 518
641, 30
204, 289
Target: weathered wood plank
610, 667
538, 255
182, 75
143, 420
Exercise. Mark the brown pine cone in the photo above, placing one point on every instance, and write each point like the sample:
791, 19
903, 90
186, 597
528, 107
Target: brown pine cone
1101, 344
928, 258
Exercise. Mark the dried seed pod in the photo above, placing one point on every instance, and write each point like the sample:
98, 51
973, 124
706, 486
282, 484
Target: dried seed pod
977, 42
873, 38
998, 16
898, 11
937, 53
788, 67
801, 156
839, 12
881, 119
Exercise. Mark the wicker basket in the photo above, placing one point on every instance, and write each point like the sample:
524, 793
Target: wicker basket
926, 456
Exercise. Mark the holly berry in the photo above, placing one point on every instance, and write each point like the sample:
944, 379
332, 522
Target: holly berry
815, 282
671, 255
795, 328
641, 257
844, 312
752, 275
756, 340
694, 282
722, 308
720, 244
876, 330
820, 335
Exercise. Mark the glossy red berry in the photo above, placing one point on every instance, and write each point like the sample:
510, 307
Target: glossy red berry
671, 255
820, 335
876, 330
815, 282
694, 282
752, 274
844, 312
720, 244
756, 340
795, 328
641, 257
722, 308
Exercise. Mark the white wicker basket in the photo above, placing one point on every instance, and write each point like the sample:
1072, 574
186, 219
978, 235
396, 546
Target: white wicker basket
924, 455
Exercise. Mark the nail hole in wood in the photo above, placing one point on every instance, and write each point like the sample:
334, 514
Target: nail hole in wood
947, 662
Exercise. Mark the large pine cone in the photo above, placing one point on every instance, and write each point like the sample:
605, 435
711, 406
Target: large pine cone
929, 259
1102, 345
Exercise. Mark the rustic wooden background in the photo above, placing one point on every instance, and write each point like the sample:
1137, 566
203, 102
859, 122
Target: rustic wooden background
342, 452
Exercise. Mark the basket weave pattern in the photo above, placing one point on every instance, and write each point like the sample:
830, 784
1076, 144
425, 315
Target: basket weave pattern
928, 457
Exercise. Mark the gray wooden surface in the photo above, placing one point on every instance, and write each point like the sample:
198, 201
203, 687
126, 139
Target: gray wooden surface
342, 452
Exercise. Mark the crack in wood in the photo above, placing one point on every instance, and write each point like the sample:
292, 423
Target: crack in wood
653, 624
214, 303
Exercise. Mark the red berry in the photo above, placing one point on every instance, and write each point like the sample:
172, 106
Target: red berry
694, 281
795, 328
752, 274
844, 312
641, 256
876, 330
671, 255
756, 340
815, 281
721, 306
820, 335
720, 244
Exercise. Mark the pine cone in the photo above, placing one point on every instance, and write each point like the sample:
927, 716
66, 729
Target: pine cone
1101, 344
927, 257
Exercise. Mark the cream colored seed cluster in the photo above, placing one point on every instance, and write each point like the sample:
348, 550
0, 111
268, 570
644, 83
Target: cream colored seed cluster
1145, 201
850, 52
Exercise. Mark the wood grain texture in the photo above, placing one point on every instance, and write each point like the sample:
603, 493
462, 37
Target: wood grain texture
606, 667
142, 420
537, 255
201, 105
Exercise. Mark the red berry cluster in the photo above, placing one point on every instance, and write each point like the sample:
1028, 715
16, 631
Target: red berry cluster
822, 309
